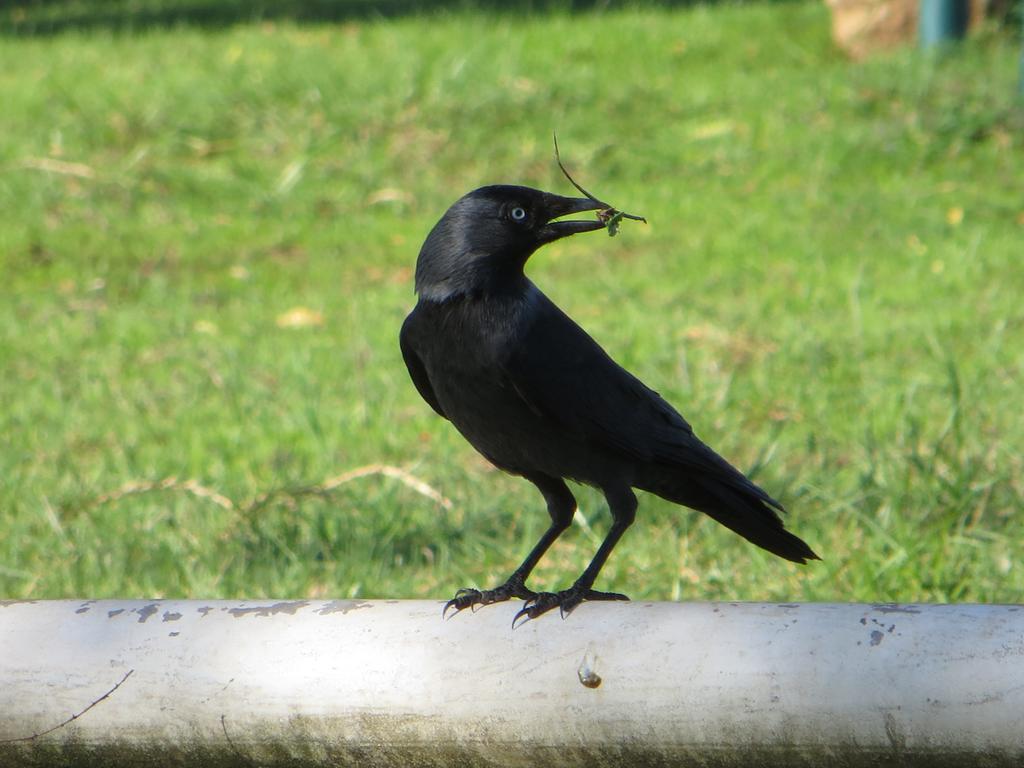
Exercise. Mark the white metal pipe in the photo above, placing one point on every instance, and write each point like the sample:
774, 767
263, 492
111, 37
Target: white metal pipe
390, 683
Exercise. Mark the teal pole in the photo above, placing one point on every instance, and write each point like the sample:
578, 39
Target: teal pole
942, 21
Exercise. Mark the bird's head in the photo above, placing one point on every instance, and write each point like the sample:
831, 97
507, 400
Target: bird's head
482, 242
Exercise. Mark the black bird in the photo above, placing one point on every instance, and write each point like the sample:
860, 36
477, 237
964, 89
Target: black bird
538, 397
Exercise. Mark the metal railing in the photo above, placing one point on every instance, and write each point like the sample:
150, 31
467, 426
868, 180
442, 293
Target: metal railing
391, 683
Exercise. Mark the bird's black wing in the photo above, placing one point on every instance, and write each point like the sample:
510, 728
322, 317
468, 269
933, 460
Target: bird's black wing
417, 371
563, 374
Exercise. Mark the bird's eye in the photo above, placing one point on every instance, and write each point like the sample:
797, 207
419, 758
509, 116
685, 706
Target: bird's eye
518, 214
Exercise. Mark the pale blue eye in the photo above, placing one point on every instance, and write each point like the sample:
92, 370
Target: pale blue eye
518, 214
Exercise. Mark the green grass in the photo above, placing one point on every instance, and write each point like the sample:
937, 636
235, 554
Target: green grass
829, 289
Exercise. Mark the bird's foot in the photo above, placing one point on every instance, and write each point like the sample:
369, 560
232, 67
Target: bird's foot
565, 601
471, 598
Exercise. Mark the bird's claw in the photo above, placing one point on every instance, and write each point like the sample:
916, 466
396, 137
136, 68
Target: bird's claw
566, 601
471, 598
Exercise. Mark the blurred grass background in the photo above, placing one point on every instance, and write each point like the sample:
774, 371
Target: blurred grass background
208, 225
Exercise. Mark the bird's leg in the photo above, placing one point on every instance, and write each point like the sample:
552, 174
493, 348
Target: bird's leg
622, 504
561, 506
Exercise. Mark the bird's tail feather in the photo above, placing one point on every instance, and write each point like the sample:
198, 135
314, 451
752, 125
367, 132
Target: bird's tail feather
735, 507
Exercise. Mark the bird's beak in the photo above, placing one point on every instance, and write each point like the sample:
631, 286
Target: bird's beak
557, 206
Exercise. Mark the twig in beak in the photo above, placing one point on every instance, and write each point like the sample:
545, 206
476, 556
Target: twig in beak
608, 215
